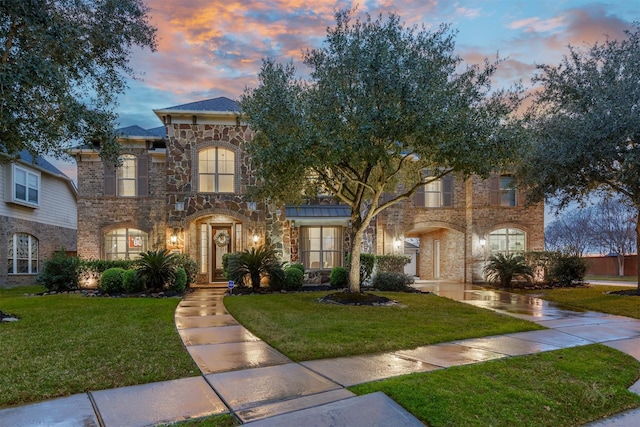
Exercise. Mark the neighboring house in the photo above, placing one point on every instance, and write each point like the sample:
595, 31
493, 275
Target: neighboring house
184, 186
38, 216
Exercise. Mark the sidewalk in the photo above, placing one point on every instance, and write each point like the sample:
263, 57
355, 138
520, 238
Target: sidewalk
262, 387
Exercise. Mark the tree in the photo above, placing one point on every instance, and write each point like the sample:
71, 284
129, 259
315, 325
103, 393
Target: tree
571, 233
62, 63
614, 226
586, 125
381, 104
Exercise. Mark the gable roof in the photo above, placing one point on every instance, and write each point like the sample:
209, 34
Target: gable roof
40, 162
135, 130
214, 104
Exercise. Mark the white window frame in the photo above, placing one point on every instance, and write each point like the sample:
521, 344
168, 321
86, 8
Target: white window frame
130, 238
216, 174
508, 191
32, 257
508, 241
32, 183
129, 161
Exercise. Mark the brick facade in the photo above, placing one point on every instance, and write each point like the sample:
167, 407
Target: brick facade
51, 238
176, 214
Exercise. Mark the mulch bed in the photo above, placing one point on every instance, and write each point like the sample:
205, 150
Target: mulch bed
626, 293
357, 298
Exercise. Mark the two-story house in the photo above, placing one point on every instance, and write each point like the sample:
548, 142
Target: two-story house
184, 186
37, 217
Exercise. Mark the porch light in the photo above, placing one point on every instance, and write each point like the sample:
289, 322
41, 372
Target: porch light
483, 241
179, 206
256, 238
397, 243
174, 238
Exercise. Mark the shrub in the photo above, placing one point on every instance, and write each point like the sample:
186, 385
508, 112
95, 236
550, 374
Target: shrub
229, 257
566, 270
111, 280
157, 268
253, 264
367, 262
390, 281
190, 267
294, 279
392, 263
131, 282
504, 268
297, 265
180, 280
60, 272
339, 277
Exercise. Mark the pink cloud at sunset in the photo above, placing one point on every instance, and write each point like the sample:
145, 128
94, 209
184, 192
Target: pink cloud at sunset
211, 48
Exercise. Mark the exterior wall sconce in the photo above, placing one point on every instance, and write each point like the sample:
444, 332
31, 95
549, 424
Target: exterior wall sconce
256, 238
179, 206
174, 237
397, 243
293, 223
483, 241
252, 206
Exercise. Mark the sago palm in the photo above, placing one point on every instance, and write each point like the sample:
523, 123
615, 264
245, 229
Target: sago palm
157, 268
253, 264
504, 268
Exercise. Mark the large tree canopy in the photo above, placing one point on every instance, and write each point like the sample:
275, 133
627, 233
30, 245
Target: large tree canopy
586, 125
62, 62
382, 103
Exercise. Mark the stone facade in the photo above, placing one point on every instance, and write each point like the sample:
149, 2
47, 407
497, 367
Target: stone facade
173, 212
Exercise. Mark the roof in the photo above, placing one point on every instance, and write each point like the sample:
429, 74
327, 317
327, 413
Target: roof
136, 130
314, 211
214, 104
40, 162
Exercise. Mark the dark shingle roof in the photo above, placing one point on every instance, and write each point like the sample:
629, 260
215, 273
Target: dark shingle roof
136, 130
308, 211
215, 104
26, 157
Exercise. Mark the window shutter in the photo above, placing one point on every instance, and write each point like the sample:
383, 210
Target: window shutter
447, 191
109, 179
418, 197
494, 190
143, 176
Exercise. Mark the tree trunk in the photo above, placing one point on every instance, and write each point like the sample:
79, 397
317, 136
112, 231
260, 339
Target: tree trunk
638, 245
356, 249
620, 264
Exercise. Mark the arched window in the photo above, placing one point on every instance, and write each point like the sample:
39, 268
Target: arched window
22, 254
125, 243
126, 176
507, 241
216, 170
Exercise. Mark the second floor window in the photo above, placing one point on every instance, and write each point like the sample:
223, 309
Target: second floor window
437, 193
503, 191
216, 170
26, 186
126, 176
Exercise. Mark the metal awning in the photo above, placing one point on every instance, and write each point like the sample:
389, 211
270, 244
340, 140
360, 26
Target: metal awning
319, 215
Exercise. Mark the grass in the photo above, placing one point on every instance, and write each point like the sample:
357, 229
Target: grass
225, 420
559, 388
595, 298
613, 278
67, 344
304, 329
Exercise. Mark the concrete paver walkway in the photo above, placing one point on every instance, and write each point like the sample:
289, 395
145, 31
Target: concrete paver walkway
262, 387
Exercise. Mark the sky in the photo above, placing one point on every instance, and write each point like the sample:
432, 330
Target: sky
212, 48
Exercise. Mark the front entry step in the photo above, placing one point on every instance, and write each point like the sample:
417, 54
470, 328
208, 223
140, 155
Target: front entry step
213, 285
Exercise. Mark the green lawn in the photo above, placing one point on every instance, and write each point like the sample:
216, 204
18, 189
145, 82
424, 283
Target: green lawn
613, 278
66, 344
304, 329
595, 298
559, 388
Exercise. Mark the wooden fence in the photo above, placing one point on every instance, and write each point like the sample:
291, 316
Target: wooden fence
607, 265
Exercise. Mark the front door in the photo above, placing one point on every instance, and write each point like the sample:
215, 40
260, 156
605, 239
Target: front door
221, 245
